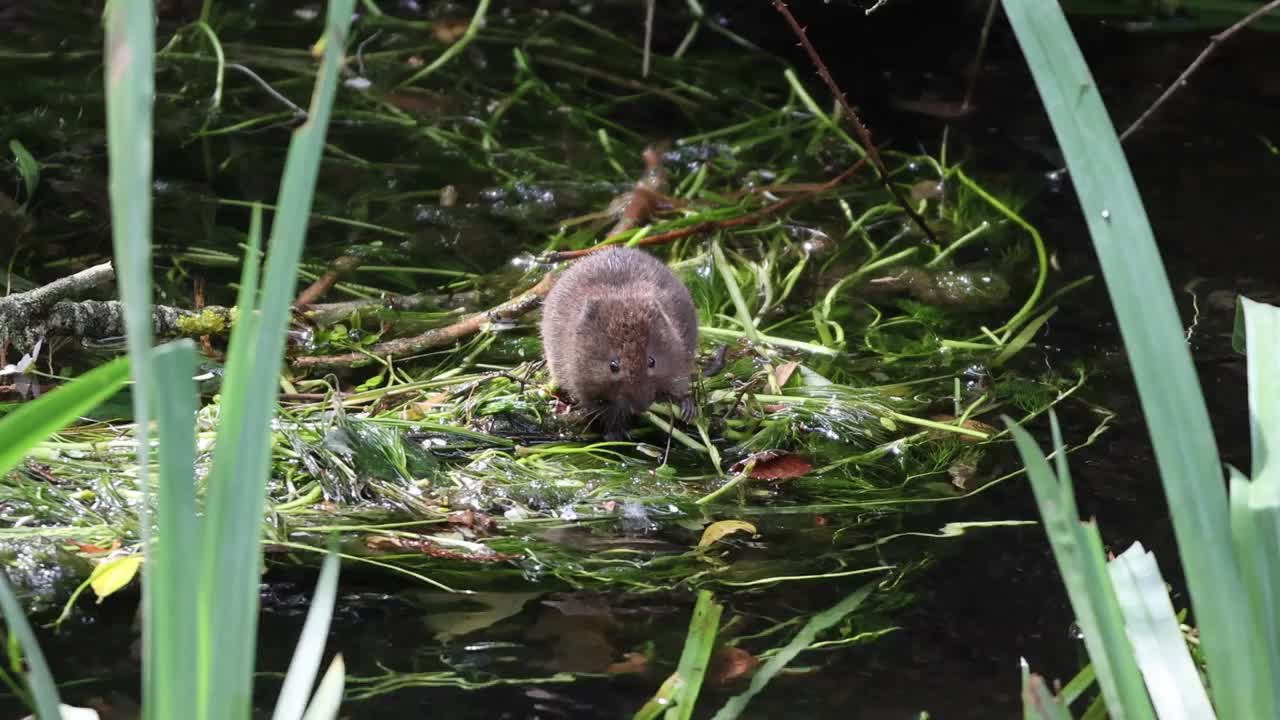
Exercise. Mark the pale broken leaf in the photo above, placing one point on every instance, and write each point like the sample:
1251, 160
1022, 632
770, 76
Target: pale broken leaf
71, 712
114, 574
783, 373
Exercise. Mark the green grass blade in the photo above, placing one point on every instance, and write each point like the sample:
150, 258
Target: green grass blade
1159, 647
823, 620
1255, 523
28, 168
1023, 338
173, 573
735, 293
242, 456
36, 420
310, 649
698, 645
1081, 561
324, 706
1078, 685
1172, 402
39, 679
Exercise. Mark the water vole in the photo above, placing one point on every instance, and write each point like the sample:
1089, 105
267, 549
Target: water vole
619, 331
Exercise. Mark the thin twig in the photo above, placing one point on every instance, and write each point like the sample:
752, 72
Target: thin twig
341, 266
438, 337
473, 27
746, 219
270, 90
976, 68
360, 52
864, 136
648, 37
1182, 79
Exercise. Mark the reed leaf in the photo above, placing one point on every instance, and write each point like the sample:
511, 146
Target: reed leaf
1077, 548
1172, 404
310, 650
241, 463
328, 697
130, 95
36, 420
1038, 702
44, 693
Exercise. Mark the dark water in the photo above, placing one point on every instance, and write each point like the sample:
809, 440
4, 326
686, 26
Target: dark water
990, 598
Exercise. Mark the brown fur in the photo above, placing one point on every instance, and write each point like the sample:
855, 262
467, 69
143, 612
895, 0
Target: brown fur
620, 306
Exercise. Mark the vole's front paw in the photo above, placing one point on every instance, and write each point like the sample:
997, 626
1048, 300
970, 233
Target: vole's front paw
687, 408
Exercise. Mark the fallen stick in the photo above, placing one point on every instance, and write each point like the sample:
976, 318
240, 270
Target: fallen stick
436, 337
20, 312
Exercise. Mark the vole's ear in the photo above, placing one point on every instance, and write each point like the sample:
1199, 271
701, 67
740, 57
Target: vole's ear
589, 314
663, 319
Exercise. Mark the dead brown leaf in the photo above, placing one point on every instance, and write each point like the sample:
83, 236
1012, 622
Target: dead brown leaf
774, 465
482, 523
423, 544
784, 372
449, 30
728, 664
631, 664
970, 424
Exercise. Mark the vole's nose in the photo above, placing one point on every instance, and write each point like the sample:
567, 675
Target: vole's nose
640, 398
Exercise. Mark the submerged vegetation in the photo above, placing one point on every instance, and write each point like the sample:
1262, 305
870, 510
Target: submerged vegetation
852, 367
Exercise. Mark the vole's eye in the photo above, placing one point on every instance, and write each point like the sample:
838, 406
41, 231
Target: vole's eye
613, 366
652, 362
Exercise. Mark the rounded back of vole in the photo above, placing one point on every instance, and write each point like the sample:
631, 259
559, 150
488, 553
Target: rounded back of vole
619, 330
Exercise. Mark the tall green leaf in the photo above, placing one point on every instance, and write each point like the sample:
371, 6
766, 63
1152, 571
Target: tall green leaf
1262, 343
171, 567
1167, 384
237, 482
698, 645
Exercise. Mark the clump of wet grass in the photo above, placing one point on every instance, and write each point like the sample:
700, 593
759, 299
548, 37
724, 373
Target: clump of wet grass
849, 365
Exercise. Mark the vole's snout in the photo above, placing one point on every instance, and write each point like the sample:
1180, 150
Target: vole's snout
639, 396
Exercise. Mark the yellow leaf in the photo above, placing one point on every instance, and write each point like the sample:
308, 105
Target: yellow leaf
112, 575
717, 530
